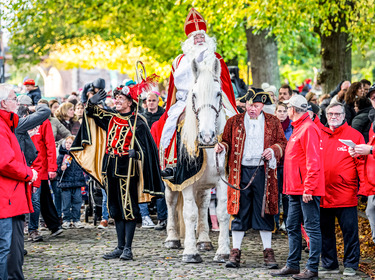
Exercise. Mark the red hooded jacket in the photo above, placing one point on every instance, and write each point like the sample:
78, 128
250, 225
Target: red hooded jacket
303, 164
369, 187
15, 198
44, 142
341, 171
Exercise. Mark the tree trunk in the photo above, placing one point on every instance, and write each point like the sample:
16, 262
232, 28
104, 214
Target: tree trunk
262, 51
336, 52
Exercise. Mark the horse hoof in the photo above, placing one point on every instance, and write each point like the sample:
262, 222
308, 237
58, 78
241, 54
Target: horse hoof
204, 246
192, 258
172, 244
221, 258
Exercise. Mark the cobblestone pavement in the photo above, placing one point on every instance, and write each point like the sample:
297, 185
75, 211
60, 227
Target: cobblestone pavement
77, 254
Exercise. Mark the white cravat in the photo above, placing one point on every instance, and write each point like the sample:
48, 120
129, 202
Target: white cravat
254, 142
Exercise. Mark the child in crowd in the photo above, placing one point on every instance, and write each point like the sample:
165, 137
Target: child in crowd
282, 114
212, 211
71, 179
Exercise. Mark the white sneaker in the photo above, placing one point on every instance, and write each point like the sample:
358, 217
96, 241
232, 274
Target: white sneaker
103, 224
78, 225
282, 227
147, 222
66, 225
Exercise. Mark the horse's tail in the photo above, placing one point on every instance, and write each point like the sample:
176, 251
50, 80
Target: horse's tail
180, 215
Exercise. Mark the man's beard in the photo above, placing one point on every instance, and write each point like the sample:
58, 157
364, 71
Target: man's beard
193, 51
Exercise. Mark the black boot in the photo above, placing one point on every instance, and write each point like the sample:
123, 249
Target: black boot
115, 254
127, 254
168, 173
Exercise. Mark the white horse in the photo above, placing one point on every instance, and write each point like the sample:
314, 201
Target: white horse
204, 121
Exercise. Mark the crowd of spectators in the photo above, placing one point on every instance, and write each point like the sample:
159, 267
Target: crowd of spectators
46, 130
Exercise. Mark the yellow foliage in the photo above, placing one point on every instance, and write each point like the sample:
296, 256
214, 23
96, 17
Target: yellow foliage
118, 54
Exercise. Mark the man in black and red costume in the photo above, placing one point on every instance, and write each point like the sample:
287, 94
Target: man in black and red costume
103, 149
201, 47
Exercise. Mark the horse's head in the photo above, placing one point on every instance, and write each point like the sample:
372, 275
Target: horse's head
204, 104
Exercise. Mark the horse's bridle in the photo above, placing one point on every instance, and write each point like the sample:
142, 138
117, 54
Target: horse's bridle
210, 106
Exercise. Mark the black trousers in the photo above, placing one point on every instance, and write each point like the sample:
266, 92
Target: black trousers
284, 198
348, 221
249, 214
115, 190
15, 257
47, 207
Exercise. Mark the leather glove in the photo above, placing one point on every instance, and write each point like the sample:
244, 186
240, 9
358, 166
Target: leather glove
100, 95
133, 154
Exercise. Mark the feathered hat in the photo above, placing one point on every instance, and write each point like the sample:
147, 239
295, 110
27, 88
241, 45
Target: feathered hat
134, 92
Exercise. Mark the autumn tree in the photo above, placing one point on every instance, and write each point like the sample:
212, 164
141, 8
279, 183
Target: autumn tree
243, 28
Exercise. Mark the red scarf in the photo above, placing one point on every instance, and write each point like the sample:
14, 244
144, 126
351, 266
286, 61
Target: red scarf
285, 123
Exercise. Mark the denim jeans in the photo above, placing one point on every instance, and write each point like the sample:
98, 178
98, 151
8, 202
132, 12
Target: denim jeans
34, 217
15, 257
348, 221
283, 198
6, 229
71, 202
105, 214
143, 207
309, 214
161, 208
370, 212
56, 196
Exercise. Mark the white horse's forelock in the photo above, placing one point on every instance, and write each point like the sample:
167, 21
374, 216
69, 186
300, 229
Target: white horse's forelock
206, 88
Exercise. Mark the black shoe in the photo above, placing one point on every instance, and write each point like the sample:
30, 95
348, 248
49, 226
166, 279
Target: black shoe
162, 224
168, 173
115, 254
127, 254
56, 232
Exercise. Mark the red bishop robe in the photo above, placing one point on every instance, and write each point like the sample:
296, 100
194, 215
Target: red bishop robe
226, 86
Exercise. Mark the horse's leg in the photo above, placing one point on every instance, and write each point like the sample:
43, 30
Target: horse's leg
173, 239
190, 211
222, 253
203, 198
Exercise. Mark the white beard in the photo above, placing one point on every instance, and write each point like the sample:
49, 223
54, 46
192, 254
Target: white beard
196, 51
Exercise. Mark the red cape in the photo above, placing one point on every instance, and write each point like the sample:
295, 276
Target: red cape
226, 86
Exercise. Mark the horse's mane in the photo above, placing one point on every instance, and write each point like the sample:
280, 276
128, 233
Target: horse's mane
205, 87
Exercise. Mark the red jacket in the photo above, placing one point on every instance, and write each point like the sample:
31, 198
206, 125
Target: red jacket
369, 187
15, 198
44, 142
303, 164
341, 171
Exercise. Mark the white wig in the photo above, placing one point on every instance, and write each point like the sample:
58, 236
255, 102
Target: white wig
5, 90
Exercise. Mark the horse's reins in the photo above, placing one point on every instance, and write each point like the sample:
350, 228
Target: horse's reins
252, 177
251, 180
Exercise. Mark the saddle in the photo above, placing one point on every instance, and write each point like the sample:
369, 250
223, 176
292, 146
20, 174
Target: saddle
188, 170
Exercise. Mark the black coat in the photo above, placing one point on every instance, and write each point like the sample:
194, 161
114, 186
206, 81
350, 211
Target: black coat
362, 123
153, 117
27, 146
349, 113
73, 176
35, 95
117, 166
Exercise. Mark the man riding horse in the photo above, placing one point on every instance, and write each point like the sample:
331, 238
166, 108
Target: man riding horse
201, 47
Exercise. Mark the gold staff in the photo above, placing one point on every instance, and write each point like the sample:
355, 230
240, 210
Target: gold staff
140, 72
